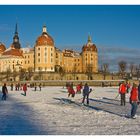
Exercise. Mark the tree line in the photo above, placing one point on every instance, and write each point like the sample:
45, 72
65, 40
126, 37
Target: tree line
125, 70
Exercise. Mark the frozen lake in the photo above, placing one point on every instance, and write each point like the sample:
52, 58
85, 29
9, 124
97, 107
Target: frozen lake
49, 112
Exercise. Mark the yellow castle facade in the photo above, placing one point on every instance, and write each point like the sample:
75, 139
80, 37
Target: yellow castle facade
45, 57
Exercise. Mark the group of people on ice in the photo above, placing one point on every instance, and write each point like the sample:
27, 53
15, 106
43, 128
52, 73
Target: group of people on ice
5, 90
124, 88
86, 91
18, 87
134, 98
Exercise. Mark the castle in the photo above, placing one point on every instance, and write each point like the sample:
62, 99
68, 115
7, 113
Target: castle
45, 57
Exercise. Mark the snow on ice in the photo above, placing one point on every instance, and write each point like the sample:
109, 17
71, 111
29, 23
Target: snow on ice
49, 112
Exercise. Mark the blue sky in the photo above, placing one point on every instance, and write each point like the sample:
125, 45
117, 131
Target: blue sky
111, 27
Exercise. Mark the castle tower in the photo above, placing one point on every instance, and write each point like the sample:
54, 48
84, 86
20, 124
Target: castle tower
89, 57
44, 52
16, 42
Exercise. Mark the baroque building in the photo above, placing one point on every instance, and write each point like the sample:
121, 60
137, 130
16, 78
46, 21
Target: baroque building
45, 57
11, 59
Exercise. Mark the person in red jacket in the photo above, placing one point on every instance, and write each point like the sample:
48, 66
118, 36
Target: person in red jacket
25, 89
78, 88
122, 91
134, 100
71, 90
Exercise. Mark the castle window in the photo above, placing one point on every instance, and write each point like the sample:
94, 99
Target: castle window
45, 54
28, 56
51, 54
56, 55
38, 48
25, 62
38, 59
25, 56
45, 49
38, 54
28, 62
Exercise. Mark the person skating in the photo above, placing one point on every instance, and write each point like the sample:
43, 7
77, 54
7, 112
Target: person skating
4, 91
122, 92
18, 86
139, 91
134, 100
71, 90
35, 87
78, 88
86, 92
40, 86
12, 86
25, 89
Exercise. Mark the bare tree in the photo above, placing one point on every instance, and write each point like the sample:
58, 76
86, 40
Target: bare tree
89, 71
138, 71
132, 68
62, 72
122, 68
8, 74
105, 69
30, 73
22, 74
14, 74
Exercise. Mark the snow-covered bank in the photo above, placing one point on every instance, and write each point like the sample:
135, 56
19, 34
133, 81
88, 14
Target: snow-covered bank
49, 112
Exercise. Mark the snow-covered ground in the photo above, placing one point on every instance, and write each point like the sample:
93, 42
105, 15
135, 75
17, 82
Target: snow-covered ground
49, 112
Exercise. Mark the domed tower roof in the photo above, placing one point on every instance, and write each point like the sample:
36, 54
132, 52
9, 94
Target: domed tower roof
89, 46
2, 48
44, 39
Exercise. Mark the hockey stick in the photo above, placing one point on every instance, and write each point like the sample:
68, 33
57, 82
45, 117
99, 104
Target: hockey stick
117, 96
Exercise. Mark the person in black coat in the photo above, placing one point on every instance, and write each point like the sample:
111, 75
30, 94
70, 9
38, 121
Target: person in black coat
4, 91
86, 92
40, 86
12, 86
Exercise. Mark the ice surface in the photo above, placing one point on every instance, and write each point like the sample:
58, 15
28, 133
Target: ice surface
50, 112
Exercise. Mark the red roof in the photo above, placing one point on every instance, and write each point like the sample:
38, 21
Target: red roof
44, 39
89, 47
14, 52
